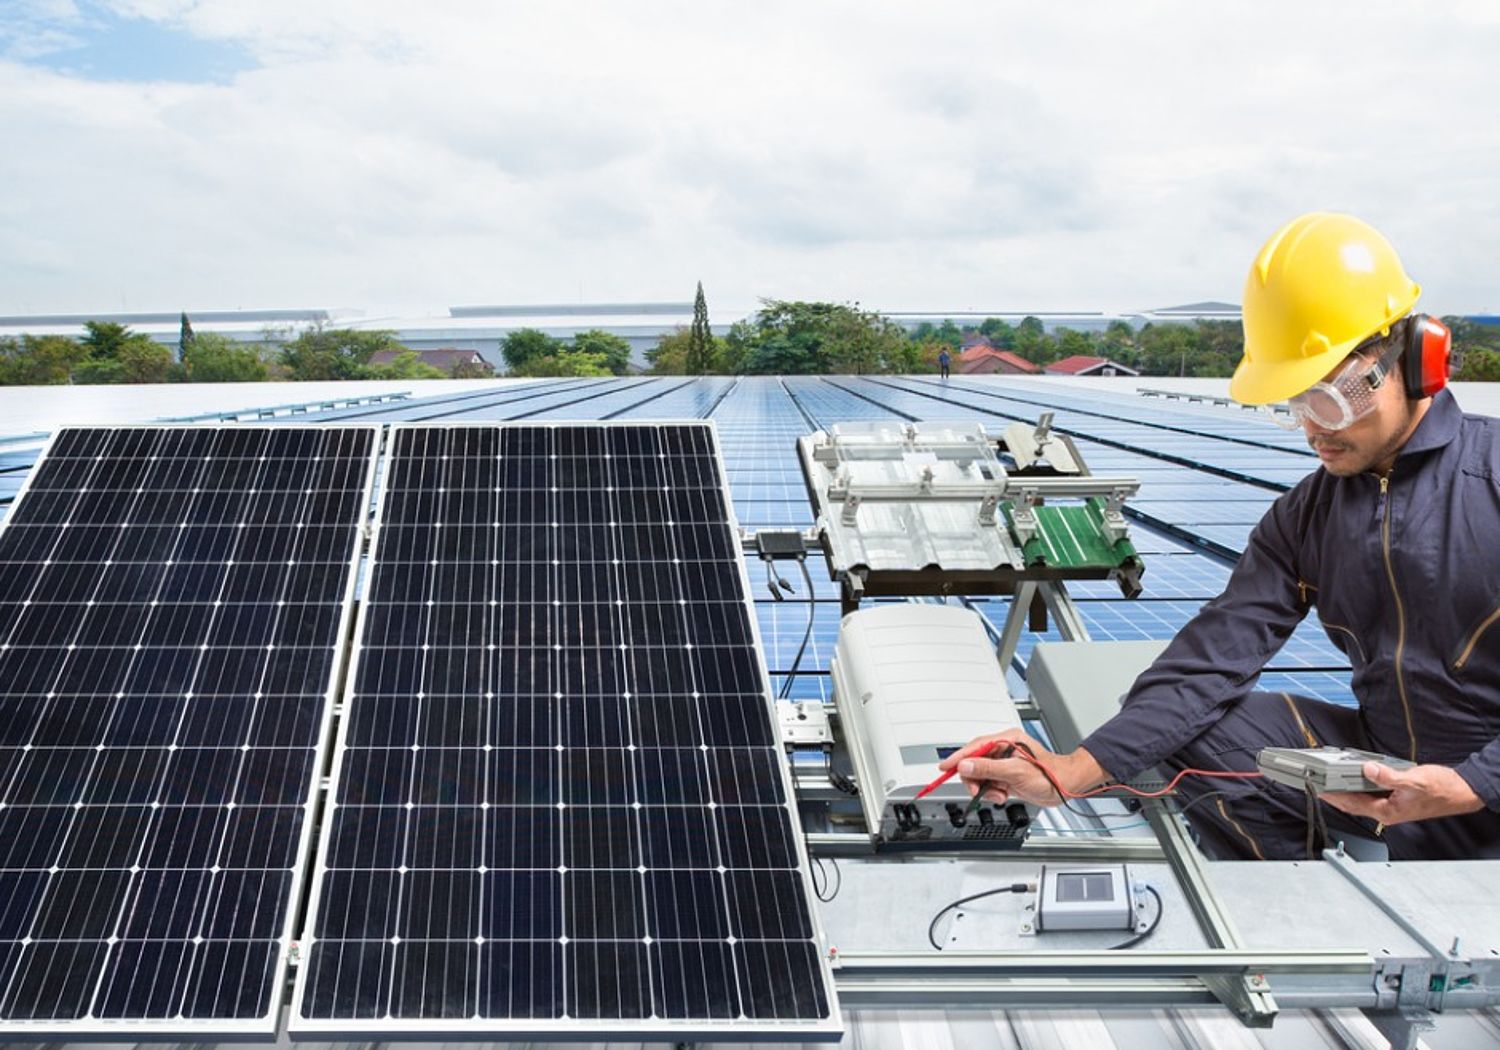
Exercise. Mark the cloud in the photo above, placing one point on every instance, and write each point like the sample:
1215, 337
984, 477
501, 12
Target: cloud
403, 157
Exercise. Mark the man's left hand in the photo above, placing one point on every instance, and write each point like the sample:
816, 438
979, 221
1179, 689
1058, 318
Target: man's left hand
1418, 793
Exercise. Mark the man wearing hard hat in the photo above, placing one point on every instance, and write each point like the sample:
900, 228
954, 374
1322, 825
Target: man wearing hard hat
1395, 542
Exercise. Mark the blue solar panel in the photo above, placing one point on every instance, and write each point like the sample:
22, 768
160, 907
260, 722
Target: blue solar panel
172, 611
1204, 512
782, 626
1122, 620
1166, 576
1332, 686
559, 805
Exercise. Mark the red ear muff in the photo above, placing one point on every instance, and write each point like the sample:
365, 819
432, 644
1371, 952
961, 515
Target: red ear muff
1428, 356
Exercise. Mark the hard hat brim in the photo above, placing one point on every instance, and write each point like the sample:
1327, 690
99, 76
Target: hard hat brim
1279, 380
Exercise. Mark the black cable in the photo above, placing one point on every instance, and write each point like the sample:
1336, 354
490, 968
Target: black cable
816, 869
837, 779
1067, 803
1015, 887
773, 579
812, 611
1317, 828
822, 892
1182, 811
842, 783
1149, 930
1057, 787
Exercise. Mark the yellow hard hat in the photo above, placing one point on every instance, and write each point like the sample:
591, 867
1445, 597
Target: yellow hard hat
1319, 287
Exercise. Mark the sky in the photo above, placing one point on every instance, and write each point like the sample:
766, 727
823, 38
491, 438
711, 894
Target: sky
397, 158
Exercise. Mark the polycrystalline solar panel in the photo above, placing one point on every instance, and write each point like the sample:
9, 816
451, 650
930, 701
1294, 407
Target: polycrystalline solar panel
172, 606
559, 802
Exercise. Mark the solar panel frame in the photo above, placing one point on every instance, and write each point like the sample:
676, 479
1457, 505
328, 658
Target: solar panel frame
267, 1026
829, 1029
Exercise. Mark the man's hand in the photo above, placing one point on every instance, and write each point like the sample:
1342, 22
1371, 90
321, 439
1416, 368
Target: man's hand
1418, 793
1003, 779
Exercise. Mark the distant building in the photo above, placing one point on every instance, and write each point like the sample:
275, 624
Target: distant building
1084, 365
445, 359
985, 360
1189, 312
971, 339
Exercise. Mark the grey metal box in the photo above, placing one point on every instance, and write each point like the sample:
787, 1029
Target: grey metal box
1078, 685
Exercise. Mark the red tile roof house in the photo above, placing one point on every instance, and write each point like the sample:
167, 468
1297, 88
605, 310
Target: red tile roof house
984, 360
1083, 365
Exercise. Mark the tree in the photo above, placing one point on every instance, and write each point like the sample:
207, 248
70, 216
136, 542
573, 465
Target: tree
734, 353
144, 361
1220, 343
184, 336
1165, 349
39, 360
1118, 343
1000, 333
405, 365
946, 333
857, 341
924, 356
812, 338
103, 339
700, 349
670, 355
787, 338
334, 353
524, 344
1033, 343
1071, 343
214, 358
1481, 365
564, 363
614, 349
1478, 348
115, 354
91, 372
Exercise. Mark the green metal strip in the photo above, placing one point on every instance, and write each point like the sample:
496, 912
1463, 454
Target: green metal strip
1072, 537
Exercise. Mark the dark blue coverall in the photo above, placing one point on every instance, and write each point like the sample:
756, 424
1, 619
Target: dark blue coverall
1405, 575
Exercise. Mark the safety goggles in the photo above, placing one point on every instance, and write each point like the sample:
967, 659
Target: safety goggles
1345, 399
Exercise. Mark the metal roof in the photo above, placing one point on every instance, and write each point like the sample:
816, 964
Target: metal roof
1207, 473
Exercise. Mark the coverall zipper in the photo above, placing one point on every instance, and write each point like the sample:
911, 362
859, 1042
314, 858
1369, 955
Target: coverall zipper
1390, 571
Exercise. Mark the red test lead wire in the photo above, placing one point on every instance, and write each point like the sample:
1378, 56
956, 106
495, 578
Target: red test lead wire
989, 749
1026, 755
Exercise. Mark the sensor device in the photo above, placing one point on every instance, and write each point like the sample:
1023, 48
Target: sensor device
1084, 899
1325, 769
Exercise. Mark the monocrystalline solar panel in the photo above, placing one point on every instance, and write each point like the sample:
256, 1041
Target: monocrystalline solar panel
172, 606
559, 805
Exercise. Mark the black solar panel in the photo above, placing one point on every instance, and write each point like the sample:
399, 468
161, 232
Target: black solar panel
559, 804
172, 603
